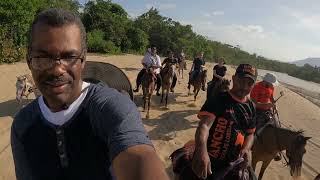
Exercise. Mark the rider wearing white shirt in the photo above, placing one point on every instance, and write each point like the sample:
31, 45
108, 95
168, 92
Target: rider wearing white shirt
150, 59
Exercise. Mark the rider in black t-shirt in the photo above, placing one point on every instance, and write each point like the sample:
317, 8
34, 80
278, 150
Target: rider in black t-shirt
219, 71
197, 66
227, 125
168, 61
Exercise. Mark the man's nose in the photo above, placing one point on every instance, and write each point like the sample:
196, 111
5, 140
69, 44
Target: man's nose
58, 69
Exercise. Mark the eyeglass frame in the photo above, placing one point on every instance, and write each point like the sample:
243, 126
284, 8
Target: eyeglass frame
53, 60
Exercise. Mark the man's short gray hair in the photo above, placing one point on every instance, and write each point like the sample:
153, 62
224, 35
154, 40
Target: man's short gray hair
57, 17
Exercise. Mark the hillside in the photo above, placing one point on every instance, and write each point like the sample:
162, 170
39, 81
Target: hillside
311, 61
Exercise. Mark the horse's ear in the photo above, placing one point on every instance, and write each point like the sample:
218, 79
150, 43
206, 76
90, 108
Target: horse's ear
307, 138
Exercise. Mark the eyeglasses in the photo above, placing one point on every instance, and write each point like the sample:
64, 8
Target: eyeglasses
44, 63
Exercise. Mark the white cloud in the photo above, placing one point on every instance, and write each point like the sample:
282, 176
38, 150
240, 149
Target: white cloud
254, 39
214, 13
312, 22
250, 28
161, 6
217, 13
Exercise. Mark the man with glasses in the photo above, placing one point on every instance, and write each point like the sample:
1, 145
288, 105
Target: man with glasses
76, 130
151, 59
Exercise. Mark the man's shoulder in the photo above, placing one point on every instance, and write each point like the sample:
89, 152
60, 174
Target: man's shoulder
102, 95
26, 117
224, 67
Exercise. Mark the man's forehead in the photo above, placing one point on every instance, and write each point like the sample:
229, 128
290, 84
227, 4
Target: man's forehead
65, 37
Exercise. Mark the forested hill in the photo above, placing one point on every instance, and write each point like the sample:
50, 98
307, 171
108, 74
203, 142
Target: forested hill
111, 30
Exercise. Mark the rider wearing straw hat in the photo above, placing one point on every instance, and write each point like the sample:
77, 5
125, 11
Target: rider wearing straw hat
262, 96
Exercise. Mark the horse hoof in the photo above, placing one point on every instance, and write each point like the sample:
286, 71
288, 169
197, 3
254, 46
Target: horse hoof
147, 116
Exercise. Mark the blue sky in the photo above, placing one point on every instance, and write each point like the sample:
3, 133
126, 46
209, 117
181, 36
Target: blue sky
285, 30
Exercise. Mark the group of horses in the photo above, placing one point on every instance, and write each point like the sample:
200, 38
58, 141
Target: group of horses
269, 141
167, 73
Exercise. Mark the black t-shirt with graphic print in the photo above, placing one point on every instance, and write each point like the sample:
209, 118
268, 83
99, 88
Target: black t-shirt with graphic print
234, 120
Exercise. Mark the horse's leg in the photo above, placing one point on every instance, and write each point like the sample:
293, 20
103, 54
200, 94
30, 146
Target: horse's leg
196, 93
144, 96
264, 166
162, 92
182, 72
149, 99
167, 93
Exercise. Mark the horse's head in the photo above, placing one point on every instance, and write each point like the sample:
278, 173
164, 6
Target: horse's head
21, 87
169, 69
225, 85
204, 74
295, 154
151, 74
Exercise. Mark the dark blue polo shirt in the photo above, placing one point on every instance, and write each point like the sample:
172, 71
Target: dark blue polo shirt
105, 124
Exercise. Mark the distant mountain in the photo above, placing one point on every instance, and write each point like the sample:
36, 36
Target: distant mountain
311, 61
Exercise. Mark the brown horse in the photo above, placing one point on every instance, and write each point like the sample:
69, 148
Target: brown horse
25, 86
217, 87
271, 140
148, 86
167, 74
181, 66
198, 82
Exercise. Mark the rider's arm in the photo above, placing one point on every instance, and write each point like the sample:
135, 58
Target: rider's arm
192, 67
216, 75
207, 116
248, 141
138, 162
117, 122
21, 162
202, 131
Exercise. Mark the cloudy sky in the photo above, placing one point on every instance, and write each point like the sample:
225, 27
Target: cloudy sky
285, 30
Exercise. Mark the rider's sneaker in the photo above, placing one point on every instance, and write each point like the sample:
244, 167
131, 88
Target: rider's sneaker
278, 157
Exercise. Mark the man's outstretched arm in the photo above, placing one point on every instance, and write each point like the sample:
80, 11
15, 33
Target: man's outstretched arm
139, 162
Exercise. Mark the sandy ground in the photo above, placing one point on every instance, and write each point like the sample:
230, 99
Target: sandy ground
170, 128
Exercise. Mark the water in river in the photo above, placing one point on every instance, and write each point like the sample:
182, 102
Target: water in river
311, 86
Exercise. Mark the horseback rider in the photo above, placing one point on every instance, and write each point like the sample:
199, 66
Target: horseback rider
76, 130
170, 60
181, 58
219, 71
226, 128
197, 67
262, 96
151, 59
